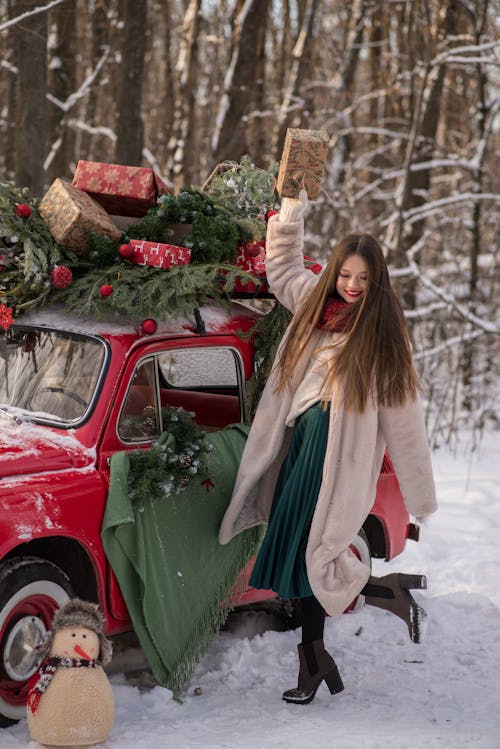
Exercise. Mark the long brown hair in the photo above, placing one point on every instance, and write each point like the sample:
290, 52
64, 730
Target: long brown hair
374, 357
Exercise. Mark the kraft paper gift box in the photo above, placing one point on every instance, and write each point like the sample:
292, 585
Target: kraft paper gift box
71, 215
121, 190
157, 254
302, 163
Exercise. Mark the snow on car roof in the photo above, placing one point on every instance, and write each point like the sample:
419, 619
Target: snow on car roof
214, 317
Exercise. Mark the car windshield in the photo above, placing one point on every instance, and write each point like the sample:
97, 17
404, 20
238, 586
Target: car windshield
51, 374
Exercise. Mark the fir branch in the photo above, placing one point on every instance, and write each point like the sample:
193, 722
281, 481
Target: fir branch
145, 292
171, 464
266, 333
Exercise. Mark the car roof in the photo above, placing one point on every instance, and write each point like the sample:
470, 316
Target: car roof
216, 319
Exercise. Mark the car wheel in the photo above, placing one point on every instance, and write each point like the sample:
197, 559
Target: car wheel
361, 547
31, 591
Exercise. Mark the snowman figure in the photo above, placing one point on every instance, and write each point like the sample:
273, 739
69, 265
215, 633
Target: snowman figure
70, 701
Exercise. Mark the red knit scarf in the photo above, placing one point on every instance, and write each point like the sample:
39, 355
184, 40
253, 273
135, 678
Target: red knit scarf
332, 317
42, 677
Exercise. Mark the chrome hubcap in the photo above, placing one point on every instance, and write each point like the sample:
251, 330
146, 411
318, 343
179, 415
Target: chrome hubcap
20, 654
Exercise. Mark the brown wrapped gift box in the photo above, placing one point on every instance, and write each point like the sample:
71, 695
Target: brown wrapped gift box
122, 190
71, 214
302, 163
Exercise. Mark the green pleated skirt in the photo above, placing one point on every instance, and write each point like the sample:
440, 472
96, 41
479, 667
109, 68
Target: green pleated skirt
281, 561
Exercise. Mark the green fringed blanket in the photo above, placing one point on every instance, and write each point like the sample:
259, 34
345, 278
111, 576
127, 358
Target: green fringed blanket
174, 575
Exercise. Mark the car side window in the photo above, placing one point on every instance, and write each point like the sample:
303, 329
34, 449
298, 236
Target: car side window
139, 418
206, 381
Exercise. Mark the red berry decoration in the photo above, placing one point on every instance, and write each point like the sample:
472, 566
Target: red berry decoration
125, 250
270, 213
23, 210
149, 326
5, 317
61, 277
106, 289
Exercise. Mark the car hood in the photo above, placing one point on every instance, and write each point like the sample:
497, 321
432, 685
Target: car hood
27, 448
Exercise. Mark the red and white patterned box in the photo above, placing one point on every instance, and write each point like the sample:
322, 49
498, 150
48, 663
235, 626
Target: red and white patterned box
252, 258
121, 190
158, 255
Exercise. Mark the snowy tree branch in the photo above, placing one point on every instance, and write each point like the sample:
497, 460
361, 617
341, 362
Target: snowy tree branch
92, 130
449, 343
28, 13
478, 322
80, 93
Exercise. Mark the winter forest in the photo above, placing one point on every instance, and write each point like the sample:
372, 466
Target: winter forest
408, 91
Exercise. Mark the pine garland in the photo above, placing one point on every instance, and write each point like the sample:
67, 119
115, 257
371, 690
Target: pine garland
27, 251
149, 292
167, 469
214, 233
266, 333
242, 188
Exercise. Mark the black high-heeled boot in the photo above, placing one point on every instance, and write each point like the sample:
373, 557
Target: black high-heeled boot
316, 665
392, 593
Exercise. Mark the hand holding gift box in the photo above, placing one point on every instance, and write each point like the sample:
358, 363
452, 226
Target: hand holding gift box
121, 190
302, 163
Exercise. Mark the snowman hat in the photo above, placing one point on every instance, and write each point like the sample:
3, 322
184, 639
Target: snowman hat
78, 613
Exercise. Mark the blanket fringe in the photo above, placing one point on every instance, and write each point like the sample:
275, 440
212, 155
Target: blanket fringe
215, 615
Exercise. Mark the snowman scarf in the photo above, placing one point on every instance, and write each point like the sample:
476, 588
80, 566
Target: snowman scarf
42, 677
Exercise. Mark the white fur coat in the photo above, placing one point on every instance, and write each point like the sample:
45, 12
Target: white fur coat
355, 449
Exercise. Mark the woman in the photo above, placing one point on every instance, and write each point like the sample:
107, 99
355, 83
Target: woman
342, 389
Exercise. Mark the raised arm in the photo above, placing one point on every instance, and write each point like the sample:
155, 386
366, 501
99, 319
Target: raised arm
288, 279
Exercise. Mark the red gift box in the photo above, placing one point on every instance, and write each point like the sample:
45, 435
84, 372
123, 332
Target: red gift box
255, 262
122, 190
252, 258
158, 255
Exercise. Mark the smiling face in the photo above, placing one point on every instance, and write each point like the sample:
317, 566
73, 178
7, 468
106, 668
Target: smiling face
352, 280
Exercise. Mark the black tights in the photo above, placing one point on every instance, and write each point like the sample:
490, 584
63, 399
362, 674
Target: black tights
313, 613
313, 619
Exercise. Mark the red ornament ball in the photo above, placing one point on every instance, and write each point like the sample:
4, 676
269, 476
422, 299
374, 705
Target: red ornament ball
149, 326
253, 249
270, 213
125, 250
61, 277
23, 210
106, 289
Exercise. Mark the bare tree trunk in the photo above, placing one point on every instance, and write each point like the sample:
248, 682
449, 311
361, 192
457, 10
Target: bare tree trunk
129, 127
468, 361
230, 137
258, 124
185, 118
9, 91
61, 83
344, 83
159, 97
88, 146
421, 145
31, 61
297, 69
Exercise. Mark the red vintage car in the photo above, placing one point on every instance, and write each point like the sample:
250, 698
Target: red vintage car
73, 393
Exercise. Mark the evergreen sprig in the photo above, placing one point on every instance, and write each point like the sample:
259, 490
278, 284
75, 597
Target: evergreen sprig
27, 252
151, 292
242, 188
266, 334
171, 464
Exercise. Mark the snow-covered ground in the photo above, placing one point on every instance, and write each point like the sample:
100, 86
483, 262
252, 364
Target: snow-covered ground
443, 693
